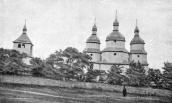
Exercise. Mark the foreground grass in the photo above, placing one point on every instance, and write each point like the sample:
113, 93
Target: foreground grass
40, 94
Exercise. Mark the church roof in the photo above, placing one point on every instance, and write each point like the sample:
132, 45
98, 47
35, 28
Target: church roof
137, 39
93, 39
115, 35
110, 49
23, 38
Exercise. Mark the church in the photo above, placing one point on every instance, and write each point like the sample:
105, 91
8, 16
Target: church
115, 52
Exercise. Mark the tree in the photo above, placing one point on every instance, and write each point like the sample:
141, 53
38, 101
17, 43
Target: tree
76, 62
11, 61
167, 75
92, 74
114, 75
37, 67
154, 78
69, 63
55, 58
136, 74
41, 68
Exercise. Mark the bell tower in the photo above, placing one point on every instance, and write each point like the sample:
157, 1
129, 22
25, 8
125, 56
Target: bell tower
23, 44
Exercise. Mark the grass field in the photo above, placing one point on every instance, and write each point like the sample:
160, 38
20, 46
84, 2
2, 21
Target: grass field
35, 94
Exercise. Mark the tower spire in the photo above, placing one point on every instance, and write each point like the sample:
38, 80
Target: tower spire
94, 28
136, 30
115, 23
116, 16
95, 21
136, 22
24, 28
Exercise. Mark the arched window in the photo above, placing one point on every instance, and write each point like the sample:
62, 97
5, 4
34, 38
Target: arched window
19, 45
114, 54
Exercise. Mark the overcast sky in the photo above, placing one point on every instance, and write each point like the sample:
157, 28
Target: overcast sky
57, 24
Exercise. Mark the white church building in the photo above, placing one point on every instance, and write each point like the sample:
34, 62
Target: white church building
115, 52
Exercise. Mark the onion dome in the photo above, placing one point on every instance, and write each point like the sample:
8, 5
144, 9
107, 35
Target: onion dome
115, 35
23, 38
137, 39
93, 38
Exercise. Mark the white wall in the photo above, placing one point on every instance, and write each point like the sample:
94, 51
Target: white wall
95, 56
117, 44
137, 47
120, 57
27, 49
93, 45
142, 58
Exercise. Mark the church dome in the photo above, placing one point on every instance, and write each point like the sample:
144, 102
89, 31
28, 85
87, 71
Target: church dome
93, 39
115, 35
137, 39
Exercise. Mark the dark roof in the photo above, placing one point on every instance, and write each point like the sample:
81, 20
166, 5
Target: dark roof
137, 40
23, 39
115, 35
110, 49
138, 52
91, 50
93, 39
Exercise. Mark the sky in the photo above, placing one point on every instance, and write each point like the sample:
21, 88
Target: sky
57, 24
